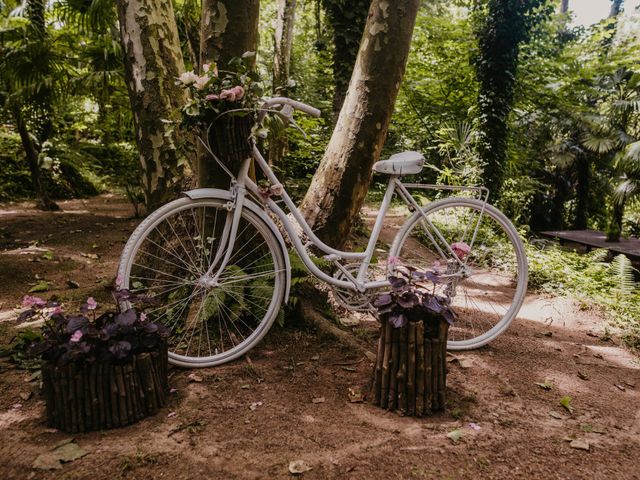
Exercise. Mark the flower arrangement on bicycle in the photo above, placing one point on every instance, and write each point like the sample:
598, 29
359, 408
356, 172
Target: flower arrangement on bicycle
216, 92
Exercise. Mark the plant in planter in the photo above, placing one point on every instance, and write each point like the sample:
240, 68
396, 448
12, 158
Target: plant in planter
100, 371
410, 369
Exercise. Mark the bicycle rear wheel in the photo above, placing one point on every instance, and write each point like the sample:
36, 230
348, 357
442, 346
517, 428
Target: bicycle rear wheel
166, 259
488, 292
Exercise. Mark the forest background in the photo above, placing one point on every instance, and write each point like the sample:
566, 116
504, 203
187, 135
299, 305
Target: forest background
496, 92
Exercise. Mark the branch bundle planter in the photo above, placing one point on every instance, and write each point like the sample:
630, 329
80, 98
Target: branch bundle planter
410, 370
94, 396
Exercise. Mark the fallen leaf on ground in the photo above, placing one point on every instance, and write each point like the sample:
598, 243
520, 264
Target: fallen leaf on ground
629, 383
194, 378
68, 451
355, 396
298, 466
565, 402
26, 395
583, 376
580, 445
474, 426
255, 405
315, 357
621, 388
455, 435
39, 287
72, 284
92, 256
48, 255
464, 362
547, 385
598, 355
350, 369
555, 415
171, 414
318, 400
246, 386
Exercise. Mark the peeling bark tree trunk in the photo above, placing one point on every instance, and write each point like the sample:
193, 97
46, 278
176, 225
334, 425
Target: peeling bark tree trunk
339, 186
153, 60
229, 29
283, 41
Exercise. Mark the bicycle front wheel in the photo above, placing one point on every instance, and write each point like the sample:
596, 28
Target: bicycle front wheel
488, 291
167, 257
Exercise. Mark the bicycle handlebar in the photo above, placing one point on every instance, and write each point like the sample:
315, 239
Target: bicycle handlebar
308, 109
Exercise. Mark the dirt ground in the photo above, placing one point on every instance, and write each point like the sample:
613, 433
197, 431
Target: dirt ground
291, 402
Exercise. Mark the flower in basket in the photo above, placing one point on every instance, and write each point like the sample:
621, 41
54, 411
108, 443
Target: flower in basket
235, 90
113, 336
413, 298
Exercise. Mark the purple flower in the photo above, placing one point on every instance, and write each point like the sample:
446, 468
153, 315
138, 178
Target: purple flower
29, 301
91, 303
143, 317
77, 335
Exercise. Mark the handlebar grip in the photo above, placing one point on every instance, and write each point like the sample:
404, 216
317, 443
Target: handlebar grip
303, 107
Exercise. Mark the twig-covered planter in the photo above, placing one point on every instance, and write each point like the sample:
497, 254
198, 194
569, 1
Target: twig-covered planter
410, 370
93, 396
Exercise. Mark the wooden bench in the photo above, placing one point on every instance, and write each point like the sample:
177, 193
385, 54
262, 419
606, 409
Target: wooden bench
596, 239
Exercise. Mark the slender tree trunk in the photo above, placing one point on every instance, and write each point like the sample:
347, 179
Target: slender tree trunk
339, 186
348, 21
583, 173
153, 60
616, 7
229, 29
503, 30
564, 6
32, 154
283, 41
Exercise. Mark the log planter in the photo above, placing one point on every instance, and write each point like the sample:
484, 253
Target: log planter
83, 396
410, 370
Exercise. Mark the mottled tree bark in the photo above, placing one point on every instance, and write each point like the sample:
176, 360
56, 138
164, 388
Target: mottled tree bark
229, 29
347, 19
283, 41
339, 186
153, 60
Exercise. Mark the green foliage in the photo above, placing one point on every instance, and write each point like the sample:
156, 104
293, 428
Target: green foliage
608, 285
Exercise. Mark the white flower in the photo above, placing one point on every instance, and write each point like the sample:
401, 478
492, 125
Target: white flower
201, 82
188, 78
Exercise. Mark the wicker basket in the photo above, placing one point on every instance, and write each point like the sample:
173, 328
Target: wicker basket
229, 139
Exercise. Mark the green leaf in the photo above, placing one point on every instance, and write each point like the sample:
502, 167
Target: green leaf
40, 287
48, 255
455, 435
547, 385
565, 402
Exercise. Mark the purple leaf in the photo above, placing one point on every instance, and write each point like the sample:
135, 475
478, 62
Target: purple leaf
26, 315
382, 300
397, 283
76, 323
433, 276
398, 320
120, 349
432, 304
126, 318
408, 300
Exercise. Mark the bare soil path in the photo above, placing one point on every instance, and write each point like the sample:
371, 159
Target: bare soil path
249, 420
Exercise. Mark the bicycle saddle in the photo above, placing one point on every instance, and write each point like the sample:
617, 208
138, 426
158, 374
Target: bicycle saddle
405, 163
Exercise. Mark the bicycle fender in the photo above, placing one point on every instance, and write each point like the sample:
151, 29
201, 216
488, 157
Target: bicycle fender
200, 193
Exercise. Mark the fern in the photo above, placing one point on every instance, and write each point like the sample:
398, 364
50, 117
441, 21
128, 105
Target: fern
622, 271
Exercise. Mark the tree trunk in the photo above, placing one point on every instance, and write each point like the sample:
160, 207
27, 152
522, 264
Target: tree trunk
339, 186
564, 6
229, 29
616, 8
505, 27
583, 174
32, 154
153, 60
348, 21
283, 42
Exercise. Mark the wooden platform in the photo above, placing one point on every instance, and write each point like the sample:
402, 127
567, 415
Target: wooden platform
596, 239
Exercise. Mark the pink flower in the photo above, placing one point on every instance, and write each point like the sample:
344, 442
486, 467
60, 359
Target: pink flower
55, 311
143, 317
29, 301
119, 281
461, 249
474, 426
77, 335
232, 94
392, 261
91, 303
201, 82
212, 97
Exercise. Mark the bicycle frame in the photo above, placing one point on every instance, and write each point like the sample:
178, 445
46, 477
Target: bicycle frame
243, 184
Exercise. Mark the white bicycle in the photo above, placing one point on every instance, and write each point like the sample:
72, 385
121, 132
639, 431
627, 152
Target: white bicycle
218, 266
